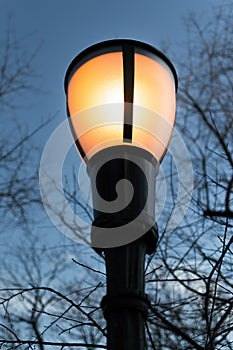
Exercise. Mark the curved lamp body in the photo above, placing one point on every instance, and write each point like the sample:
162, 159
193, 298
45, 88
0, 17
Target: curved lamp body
121, 92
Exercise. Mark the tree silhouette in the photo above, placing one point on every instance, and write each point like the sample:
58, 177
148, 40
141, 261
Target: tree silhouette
49, 300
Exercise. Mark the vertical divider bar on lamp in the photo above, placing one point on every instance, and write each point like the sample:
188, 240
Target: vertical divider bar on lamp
128, 77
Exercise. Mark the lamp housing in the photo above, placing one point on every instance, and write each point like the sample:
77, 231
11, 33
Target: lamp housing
121, 92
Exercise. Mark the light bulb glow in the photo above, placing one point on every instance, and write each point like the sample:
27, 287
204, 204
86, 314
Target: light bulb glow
96, 105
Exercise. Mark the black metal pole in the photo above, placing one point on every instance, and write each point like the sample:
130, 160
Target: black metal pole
125, 305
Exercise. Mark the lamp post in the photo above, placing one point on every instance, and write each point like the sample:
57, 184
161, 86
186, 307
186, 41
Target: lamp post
121, 98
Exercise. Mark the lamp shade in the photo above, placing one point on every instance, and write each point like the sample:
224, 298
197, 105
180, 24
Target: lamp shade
121, 92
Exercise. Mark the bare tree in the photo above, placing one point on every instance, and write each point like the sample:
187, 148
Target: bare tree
189, 278
18, 157
192, 308
46, 295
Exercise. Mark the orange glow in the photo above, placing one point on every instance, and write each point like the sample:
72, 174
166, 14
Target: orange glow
154, 90
96, 104
97, 125
154, 87
97, 82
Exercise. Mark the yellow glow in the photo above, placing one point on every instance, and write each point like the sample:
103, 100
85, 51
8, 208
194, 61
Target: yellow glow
154, 87
154, 90
99, 81
96, 104
97, 125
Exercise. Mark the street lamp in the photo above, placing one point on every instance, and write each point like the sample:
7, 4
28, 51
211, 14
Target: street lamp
121, 101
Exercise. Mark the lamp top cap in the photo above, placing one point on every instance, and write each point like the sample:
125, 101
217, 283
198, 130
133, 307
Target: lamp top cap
113, 46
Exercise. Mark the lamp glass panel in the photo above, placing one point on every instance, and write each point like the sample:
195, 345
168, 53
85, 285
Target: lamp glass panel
95, 102
154, 90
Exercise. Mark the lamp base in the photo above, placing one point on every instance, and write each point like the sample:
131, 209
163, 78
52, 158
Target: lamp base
123, 192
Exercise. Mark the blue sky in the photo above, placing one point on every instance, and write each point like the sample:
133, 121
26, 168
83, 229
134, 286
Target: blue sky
63, 28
